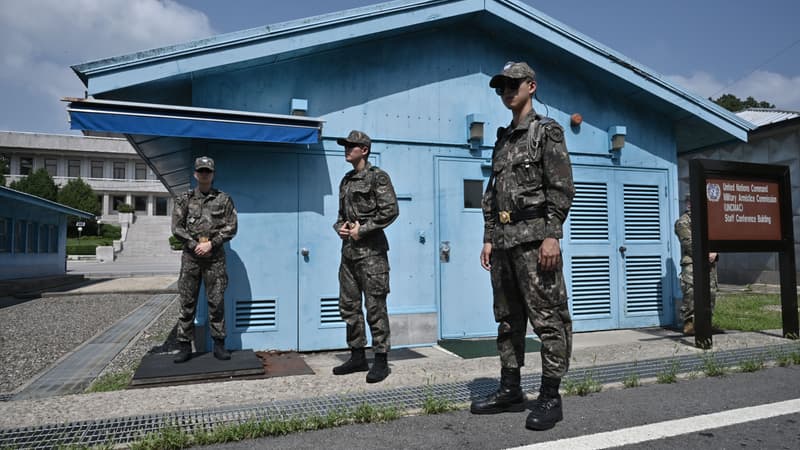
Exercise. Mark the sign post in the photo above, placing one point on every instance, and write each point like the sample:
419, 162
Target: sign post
80, 226
741, 207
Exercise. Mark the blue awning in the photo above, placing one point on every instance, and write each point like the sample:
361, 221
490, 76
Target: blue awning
175, 121
166, 136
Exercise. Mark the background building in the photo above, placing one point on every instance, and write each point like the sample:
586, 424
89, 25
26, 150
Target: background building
113, 169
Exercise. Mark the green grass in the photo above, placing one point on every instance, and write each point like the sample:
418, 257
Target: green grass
747, 312
90, 240
631, 380
111, 382
712, 367
752, 365
437, 405
587, 385
670, 373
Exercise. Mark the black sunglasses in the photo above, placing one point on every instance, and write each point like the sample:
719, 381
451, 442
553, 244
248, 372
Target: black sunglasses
204, 170
511, 83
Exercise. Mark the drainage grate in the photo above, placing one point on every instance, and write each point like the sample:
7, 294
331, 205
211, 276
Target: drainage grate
125, 430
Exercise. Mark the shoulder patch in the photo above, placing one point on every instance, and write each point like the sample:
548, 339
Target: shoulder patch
554, 133
382, 178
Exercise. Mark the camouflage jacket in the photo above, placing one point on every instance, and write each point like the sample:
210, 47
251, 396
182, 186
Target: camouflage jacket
683, 229
366, 196
197, 216
530, 170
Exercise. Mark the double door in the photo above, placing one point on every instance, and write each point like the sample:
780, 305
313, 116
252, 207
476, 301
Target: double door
615, 249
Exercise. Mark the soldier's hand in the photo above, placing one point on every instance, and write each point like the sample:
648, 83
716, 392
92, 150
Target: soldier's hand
549, 255
202, 249
344, 230
712, 257
486, 256
354, 227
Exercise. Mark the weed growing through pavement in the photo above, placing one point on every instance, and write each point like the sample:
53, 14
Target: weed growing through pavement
587, 385
111, 382
670, 372
752, 365
712, 367
631, 379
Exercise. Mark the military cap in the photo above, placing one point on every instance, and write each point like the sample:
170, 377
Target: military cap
355, 137
517, 70
204, 162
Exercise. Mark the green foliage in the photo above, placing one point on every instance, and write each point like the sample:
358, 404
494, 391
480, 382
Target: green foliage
175, 243
437, 405
712, 367
670, 373
735, 104
631, 380
79, 195
39, 183
752, 365
748, 312
110, 231
124, 208
587, 385
111, 382
4, 169
86, 245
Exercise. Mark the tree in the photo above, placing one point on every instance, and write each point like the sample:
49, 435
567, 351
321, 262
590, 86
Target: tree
39, 183
79, 195
735, 104
3, 168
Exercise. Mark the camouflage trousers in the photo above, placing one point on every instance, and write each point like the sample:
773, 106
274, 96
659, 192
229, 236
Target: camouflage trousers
370, 276
211, 271
687, 286
522, 293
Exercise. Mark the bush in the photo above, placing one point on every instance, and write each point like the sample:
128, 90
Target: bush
110, 231
81, 249
174, 243
124, 208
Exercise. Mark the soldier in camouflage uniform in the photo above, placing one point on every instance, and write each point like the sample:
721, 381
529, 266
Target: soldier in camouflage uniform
525, 204
367, 205
683, 228
204, 219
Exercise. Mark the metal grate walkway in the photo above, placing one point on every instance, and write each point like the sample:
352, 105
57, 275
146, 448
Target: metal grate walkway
128, 429
75, 372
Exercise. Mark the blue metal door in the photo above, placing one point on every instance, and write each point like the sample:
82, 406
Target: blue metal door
319, 252
465, 288
615, 248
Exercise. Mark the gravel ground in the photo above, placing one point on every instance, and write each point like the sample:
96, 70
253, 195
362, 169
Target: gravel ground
35, 334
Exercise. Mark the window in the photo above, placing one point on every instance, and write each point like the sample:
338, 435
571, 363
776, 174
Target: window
31, 238
74, 168
5, 234
97, 169
119, 170
53, 238
116, 201
44, 235
19, 236
140, 203
473, 192
25, 165
141, 171
51, 165
161, 206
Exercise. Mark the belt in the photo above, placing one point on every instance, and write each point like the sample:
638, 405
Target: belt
516, 216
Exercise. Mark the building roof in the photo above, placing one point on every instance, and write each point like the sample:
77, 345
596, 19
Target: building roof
42, 203
699, 121
766, 116
59, 142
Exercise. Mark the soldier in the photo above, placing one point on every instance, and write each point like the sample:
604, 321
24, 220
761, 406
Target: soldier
367, 205
683, 228
203, 220
527, 200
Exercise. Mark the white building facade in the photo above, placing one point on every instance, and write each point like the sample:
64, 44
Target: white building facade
109, 165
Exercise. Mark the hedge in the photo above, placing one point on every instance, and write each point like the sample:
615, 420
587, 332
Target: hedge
81, 249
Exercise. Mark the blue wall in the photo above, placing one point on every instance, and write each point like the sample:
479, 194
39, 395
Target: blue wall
40, 250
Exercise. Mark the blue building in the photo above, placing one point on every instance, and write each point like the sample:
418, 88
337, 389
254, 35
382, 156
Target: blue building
268, 104
33, 235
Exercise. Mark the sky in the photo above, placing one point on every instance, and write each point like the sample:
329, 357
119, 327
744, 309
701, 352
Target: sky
710, 47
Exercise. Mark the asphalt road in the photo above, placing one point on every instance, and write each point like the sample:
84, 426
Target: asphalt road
727, 412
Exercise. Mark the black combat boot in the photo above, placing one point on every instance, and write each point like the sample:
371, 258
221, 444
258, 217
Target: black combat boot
219, 350
184, 352
546, 410
356, 363
509, 398
380, 369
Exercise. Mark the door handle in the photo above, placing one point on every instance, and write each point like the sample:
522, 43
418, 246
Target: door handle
304, 251
623, 249
444, 251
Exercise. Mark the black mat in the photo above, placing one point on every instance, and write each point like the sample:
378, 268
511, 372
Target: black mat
160, 369
479, 348
394, 355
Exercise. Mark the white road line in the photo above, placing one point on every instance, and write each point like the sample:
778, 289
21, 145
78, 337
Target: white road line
644, 433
